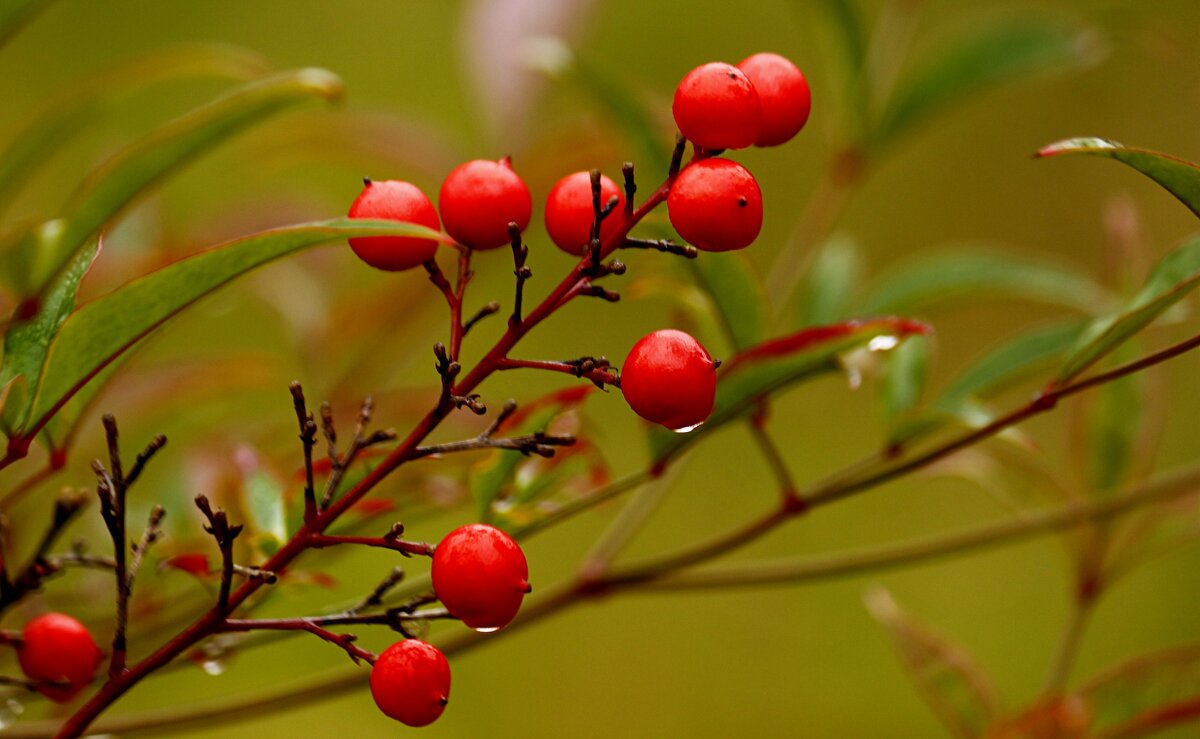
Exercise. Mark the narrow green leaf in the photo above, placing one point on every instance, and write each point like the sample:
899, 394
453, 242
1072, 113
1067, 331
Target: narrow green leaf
1144, 683
1169, 282
552, 57
773, 365
1179, 177
262, 498
905, 376
737, 293
112, 187
14, 14
989, 53
1113, 430
102, 330
71, 110
835, 275
851, 33
27, 343
943, 673
967, 273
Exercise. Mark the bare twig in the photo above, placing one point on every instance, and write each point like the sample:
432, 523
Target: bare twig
522, 272
308, 438
224, 533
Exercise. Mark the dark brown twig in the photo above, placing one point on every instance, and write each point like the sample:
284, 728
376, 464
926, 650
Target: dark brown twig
522, 272
308, 438
224, 533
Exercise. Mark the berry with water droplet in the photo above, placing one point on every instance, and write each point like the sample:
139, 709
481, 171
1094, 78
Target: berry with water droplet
783, 93
717, 107
410, 682
56, 648
393, 200
479, 199
715, 205
480, 575
670, 379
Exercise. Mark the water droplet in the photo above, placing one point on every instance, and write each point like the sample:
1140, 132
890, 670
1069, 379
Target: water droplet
854, 377
214, 666
10, 710
686, 429
489, 630
882, 343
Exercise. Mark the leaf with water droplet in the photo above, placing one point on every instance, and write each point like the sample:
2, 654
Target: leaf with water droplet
1179, 177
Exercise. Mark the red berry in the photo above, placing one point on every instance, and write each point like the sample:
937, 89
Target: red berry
410, 682
668, 378
393, 200
784, 95
570, 213
715, 204
716, 107
480, 576
479, 199
57, 648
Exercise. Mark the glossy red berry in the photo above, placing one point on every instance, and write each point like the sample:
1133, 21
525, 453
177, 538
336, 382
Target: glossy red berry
480, 576
570, 212
669, 378
717, 107
479, 199
783, 93
57, 648
393, 200
715, 204
410, 682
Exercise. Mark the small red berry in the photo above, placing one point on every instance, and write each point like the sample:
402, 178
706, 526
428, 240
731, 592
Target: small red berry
479, 199
480, 576
668, 378
715, 204
570, 212
784, 94
717, 107
57, 648
393, 200
410, 682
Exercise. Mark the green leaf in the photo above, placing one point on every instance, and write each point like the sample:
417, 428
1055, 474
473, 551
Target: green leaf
774, 365
73, 108
490, 477
989, 53
14, 14
554, 58
905, 376
851, 33
965, 274
943, 673
102, 330
1179, 177
262, 498
737, 293
1145, 683
112, 187
829, 286
1114, 424
1169, 282
27, 343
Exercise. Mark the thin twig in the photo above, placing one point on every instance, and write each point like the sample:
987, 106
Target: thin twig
308, 439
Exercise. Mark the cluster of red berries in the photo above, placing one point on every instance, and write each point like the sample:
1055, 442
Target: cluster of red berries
480, 575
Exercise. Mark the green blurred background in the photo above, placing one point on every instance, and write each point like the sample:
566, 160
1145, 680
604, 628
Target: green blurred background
430, 84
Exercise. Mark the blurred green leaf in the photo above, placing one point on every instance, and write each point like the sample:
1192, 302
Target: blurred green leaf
947, 678
1145, 683
773, 365
262, 498
989, 53
1179, 177
828, 288
14, 14
490, 477
967, 273
851, 33
102, 330
904, 378
1113, 430
737, 293
73, 109
27, 343
109, 189
1169, 282
1008, 363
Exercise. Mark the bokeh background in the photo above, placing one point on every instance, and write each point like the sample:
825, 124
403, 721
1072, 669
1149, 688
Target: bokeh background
430, 84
